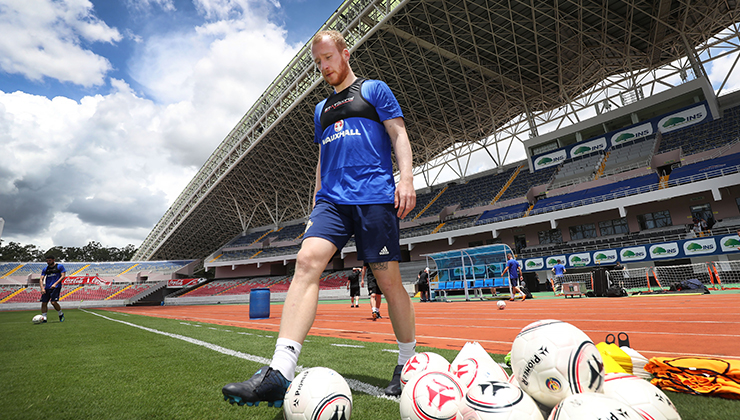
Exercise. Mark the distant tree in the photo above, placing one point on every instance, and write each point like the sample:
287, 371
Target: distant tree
14, 252
58, 252
92, 252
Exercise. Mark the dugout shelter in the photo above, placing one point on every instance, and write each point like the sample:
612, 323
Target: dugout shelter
469, 270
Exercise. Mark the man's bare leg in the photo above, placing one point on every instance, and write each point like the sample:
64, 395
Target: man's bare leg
401, 312
270, 382
302, 299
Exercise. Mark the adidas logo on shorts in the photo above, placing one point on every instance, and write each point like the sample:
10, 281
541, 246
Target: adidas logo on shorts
384, 251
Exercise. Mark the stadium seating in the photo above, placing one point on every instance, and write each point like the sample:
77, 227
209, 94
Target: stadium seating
526, 180
628, 156
611, 191
503, 213
7, 267
131, 291
706, 169
706, 136
579, 169
161, 266
100, 269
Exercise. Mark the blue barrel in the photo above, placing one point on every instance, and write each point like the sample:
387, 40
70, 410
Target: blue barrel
259, 304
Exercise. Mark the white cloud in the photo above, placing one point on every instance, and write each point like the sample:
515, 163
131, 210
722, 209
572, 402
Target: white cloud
720, 69
107, 167
42, 39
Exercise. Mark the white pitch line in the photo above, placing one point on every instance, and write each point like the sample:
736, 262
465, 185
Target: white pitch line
354, 384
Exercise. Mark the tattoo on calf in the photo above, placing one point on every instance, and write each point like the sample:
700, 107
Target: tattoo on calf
379, 266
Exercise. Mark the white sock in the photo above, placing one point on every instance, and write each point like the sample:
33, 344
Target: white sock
405, 351
375, 309
285, 358
44, 315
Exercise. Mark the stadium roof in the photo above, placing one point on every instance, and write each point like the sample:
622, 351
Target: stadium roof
471, 76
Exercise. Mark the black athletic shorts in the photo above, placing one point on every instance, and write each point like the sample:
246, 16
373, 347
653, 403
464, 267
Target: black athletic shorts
372, 286
354, 291
51, 294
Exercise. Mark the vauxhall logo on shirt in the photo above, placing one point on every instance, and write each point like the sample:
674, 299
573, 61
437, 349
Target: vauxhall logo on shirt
340, 132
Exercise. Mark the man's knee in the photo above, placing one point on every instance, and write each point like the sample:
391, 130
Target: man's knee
312, 258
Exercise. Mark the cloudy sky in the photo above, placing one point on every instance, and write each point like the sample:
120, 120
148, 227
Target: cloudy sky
109, 108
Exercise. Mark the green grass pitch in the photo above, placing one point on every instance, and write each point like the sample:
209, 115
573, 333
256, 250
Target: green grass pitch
91, 367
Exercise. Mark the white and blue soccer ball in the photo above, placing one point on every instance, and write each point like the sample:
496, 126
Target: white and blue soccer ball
644, 397
498, 400
318, 393
592, 406
552, 360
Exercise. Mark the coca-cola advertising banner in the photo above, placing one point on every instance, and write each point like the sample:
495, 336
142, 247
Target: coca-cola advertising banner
183, 282
84, 280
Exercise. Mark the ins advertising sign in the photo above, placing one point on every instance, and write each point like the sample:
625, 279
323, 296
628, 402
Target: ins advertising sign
632, 133
534, 264
550, 159
666, 250
730, 243
682, 119
635, 253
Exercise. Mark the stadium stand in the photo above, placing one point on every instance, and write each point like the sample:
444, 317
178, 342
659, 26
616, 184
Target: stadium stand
706, 169
632, 155
526, 180
701, 137
579, 169
7, 268
503, 213
611, 191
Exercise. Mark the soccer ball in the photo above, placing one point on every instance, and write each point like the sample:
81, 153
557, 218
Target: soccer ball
38, 319
592, 406
497, 400
471, 370
646, 398
501, 304
432, 395
553, 359
422, 362
318, 394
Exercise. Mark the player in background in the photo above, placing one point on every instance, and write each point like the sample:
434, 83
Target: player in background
424, 285
51, 280
354, 287
376, 295
515, 275
357, 128
559, 271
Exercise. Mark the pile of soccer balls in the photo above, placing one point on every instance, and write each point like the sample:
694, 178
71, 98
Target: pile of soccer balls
558, 374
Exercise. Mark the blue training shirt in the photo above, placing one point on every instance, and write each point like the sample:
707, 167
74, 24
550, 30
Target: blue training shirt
513, 268
52, 274
559, 269
356, 163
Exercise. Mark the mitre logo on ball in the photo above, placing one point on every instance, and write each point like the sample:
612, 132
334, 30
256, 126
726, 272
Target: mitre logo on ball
339, 125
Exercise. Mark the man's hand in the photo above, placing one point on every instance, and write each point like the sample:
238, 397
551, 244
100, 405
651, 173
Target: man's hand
405, 199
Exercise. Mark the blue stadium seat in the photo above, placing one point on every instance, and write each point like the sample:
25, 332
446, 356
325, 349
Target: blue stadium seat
457, 285
478, 284
489, 283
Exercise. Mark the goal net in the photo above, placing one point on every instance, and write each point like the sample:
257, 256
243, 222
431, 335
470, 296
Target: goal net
674, 275
584, 278
630, 279
728, 273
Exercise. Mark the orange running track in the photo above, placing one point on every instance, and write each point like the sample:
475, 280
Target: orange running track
696, 325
